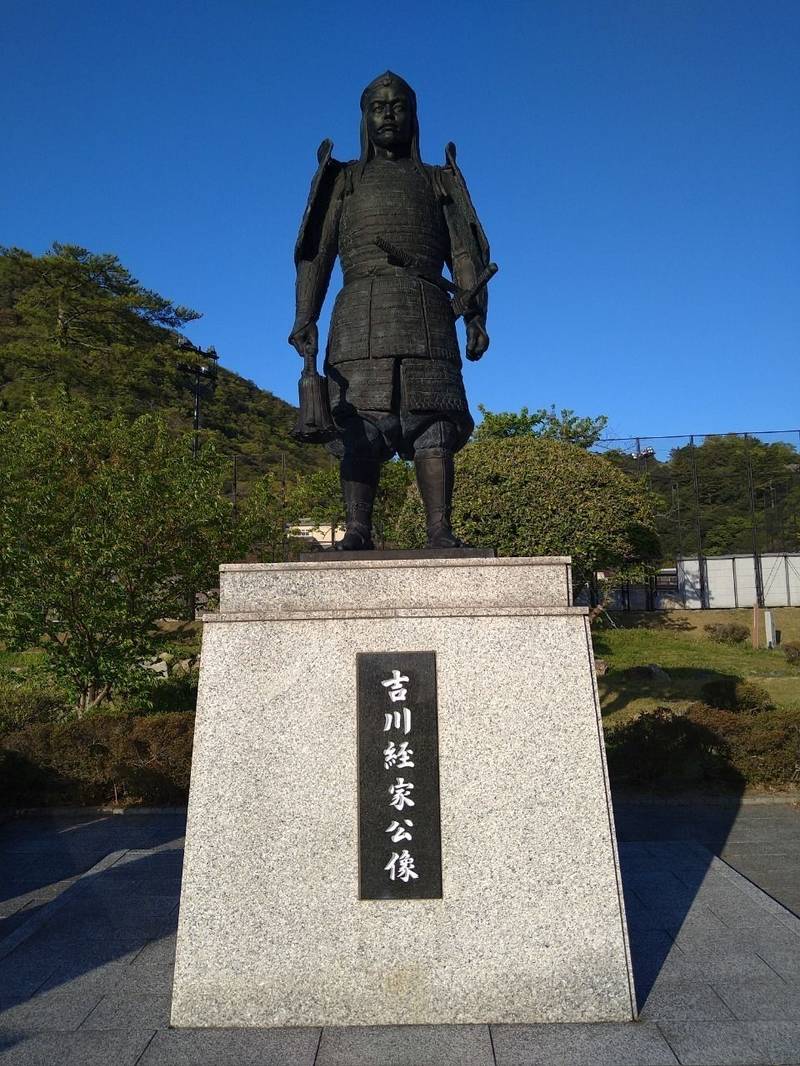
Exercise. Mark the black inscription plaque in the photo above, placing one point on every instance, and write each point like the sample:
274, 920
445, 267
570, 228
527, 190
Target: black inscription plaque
400, 833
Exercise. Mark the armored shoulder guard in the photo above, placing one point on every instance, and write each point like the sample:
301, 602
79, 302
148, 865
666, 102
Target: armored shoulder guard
319, 200
458, 192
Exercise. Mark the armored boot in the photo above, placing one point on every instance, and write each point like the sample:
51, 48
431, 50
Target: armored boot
435, 478
359, 479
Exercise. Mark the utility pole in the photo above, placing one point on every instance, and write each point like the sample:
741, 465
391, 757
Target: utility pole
235, 494
757, 573
285, 538
699, 523
199, 372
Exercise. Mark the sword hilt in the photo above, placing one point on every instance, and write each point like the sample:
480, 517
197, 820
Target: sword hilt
461, 303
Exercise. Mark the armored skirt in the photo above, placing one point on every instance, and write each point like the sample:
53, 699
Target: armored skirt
394, 369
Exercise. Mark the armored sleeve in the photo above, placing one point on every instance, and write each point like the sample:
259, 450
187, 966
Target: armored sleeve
468, 243
317, 242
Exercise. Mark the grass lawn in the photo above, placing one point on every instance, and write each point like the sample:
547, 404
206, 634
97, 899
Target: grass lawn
680, 647
16, 660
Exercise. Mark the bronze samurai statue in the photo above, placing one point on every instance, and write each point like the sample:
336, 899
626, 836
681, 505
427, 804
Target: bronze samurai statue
392, 363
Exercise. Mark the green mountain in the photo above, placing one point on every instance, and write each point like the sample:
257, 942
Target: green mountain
72, 320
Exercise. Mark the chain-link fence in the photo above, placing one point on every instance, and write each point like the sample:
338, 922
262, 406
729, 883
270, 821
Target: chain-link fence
728, 515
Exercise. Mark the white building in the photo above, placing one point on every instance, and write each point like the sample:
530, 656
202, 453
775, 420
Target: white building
727, 581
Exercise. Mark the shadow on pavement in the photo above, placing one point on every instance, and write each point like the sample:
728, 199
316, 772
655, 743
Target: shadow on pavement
662, 873
111, 928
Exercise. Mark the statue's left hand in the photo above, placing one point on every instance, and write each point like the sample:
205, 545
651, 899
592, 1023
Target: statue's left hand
477, 339
305, 339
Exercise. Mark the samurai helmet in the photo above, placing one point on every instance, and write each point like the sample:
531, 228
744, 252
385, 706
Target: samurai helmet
386, 80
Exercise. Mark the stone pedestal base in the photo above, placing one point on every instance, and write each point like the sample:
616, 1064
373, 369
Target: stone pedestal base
530, 926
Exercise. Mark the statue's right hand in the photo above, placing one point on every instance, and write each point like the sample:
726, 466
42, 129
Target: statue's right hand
305, 340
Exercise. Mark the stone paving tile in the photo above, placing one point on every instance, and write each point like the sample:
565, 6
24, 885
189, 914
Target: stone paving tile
85, 955
784, 960
601, 1044
682, 968
9, 907
52, 1010
694, 1000
21, 977
156, 954
789, 897
671, 887
699, 921
147, 980
118, 907
232, 1047
756, 999
69, 929
20, 1048
650, 954
406, 1045
711, 1043
130, 1010
733, 911
733, 942
79, 977
777, 1041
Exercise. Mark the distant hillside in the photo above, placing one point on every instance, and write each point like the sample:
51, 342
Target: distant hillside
73, 320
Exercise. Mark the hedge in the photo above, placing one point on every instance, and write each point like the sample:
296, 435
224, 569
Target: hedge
26, 700
735, 694
705, 747
728, 632
125, 759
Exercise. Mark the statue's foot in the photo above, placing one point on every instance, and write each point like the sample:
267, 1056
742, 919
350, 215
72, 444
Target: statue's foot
357, 538
442, 536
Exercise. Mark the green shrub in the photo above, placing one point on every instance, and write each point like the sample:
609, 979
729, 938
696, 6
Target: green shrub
99, 759
763, 748
705, 747
160, 695
27, 699
734, 694
791, 650
528, 495
728, 632
667, 750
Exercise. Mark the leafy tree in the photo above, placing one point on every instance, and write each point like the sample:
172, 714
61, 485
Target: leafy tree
528, 495
69, 306
264, 519
397, 477
721, 499
104, 525
317, 498
566, 426
77, 321
503, 424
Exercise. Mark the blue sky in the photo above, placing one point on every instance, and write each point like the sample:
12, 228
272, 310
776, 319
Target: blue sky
636, 166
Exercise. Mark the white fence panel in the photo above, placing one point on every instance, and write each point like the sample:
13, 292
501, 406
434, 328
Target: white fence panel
689, 582
793, 572
773, 575
745, 581
720, 582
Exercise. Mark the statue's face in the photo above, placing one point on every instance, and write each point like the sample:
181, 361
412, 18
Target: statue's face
389, 118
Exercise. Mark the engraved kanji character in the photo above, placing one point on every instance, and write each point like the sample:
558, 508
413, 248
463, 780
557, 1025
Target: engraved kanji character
401, 866
396, 692
394, 718
399, 792
400, 756
398, 832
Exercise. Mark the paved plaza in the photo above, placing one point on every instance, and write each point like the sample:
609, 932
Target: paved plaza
88, 911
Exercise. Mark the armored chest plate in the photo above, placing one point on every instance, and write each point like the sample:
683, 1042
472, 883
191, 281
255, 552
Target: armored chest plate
394, 201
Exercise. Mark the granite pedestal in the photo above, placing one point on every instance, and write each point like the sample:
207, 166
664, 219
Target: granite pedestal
531, 924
